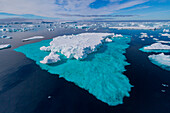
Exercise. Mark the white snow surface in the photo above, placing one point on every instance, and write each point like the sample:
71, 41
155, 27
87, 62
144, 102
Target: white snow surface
144, 35
4, 46
51, 58
136, 27
76, 46
158, 46
161, 59
33, 38
166, 34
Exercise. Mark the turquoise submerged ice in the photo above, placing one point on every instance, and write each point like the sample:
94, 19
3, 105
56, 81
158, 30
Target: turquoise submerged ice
100, 73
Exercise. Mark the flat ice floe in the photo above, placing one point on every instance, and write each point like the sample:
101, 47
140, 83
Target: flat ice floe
138, 28
156, 47
4, 46
33, 38
100, 73
161, 60
165, 34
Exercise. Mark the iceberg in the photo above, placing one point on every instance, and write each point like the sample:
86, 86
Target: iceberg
161, 60
51, 58
156, 47
76, 46
4, 46
166, 34
100, 73
144, 35
33, 38
136, 27
166, 30
165, 42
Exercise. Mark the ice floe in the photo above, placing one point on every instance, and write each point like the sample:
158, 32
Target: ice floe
165, 34
166, 30
156, 47
161, 60
33, 38
101, 73
144, 35
4, 46
139, 28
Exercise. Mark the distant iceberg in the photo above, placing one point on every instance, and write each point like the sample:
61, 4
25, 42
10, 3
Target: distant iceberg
33, 38
144, 35
4, 46
136, 27
100, 73
161, 60
165, 34
156, 47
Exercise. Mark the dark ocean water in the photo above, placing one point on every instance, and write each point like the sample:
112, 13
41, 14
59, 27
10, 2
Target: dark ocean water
25, 88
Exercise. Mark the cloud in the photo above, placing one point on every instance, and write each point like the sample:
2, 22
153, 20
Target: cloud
64, 8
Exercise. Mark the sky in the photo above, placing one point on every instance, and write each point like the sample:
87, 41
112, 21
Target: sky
86, 9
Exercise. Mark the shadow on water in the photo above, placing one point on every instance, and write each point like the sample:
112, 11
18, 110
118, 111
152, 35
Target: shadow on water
13, 79
101, 49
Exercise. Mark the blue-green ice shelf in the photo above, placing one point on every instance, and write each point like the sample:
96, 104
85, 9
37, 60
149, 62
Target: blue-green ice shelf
101, 73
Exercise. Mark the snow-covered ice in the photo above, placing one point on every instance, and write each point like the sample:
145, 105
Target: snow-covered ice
161, 60
157, 46
33, 38
51, 58
166, 34
166, 30
139, 28
4, 46
76, 46
144, 35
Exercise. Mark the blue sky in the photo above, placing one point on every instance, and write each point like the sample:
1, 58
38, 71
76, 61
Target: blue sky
86, 9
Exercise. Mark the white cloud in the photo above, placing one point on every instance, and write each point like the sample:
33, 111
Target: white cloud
51, 8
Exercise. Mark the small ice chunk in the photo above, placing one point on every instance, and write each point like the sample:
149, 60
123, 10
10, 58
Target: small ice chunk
51, 58
33, 38
163, 91
161, 60
49, 97
143, 39
108, 40
166, 30
144, 35
151, 36
165, 85
155, 39
4, 46
157, 46
165, 42
166, 34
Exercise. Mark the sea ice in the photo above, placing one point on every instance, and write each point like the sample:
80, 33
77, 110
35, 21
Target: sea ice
51, 58
33, 38
101, 73
76, 46
161, 60
4, 46
166, 34
166, 30
144, 35
165, 42
156, 47
136, 27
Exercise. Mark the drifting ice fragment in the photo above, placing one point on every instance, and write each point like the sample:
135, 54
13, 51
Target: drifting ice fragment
33, 38
161, 60
4, 46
